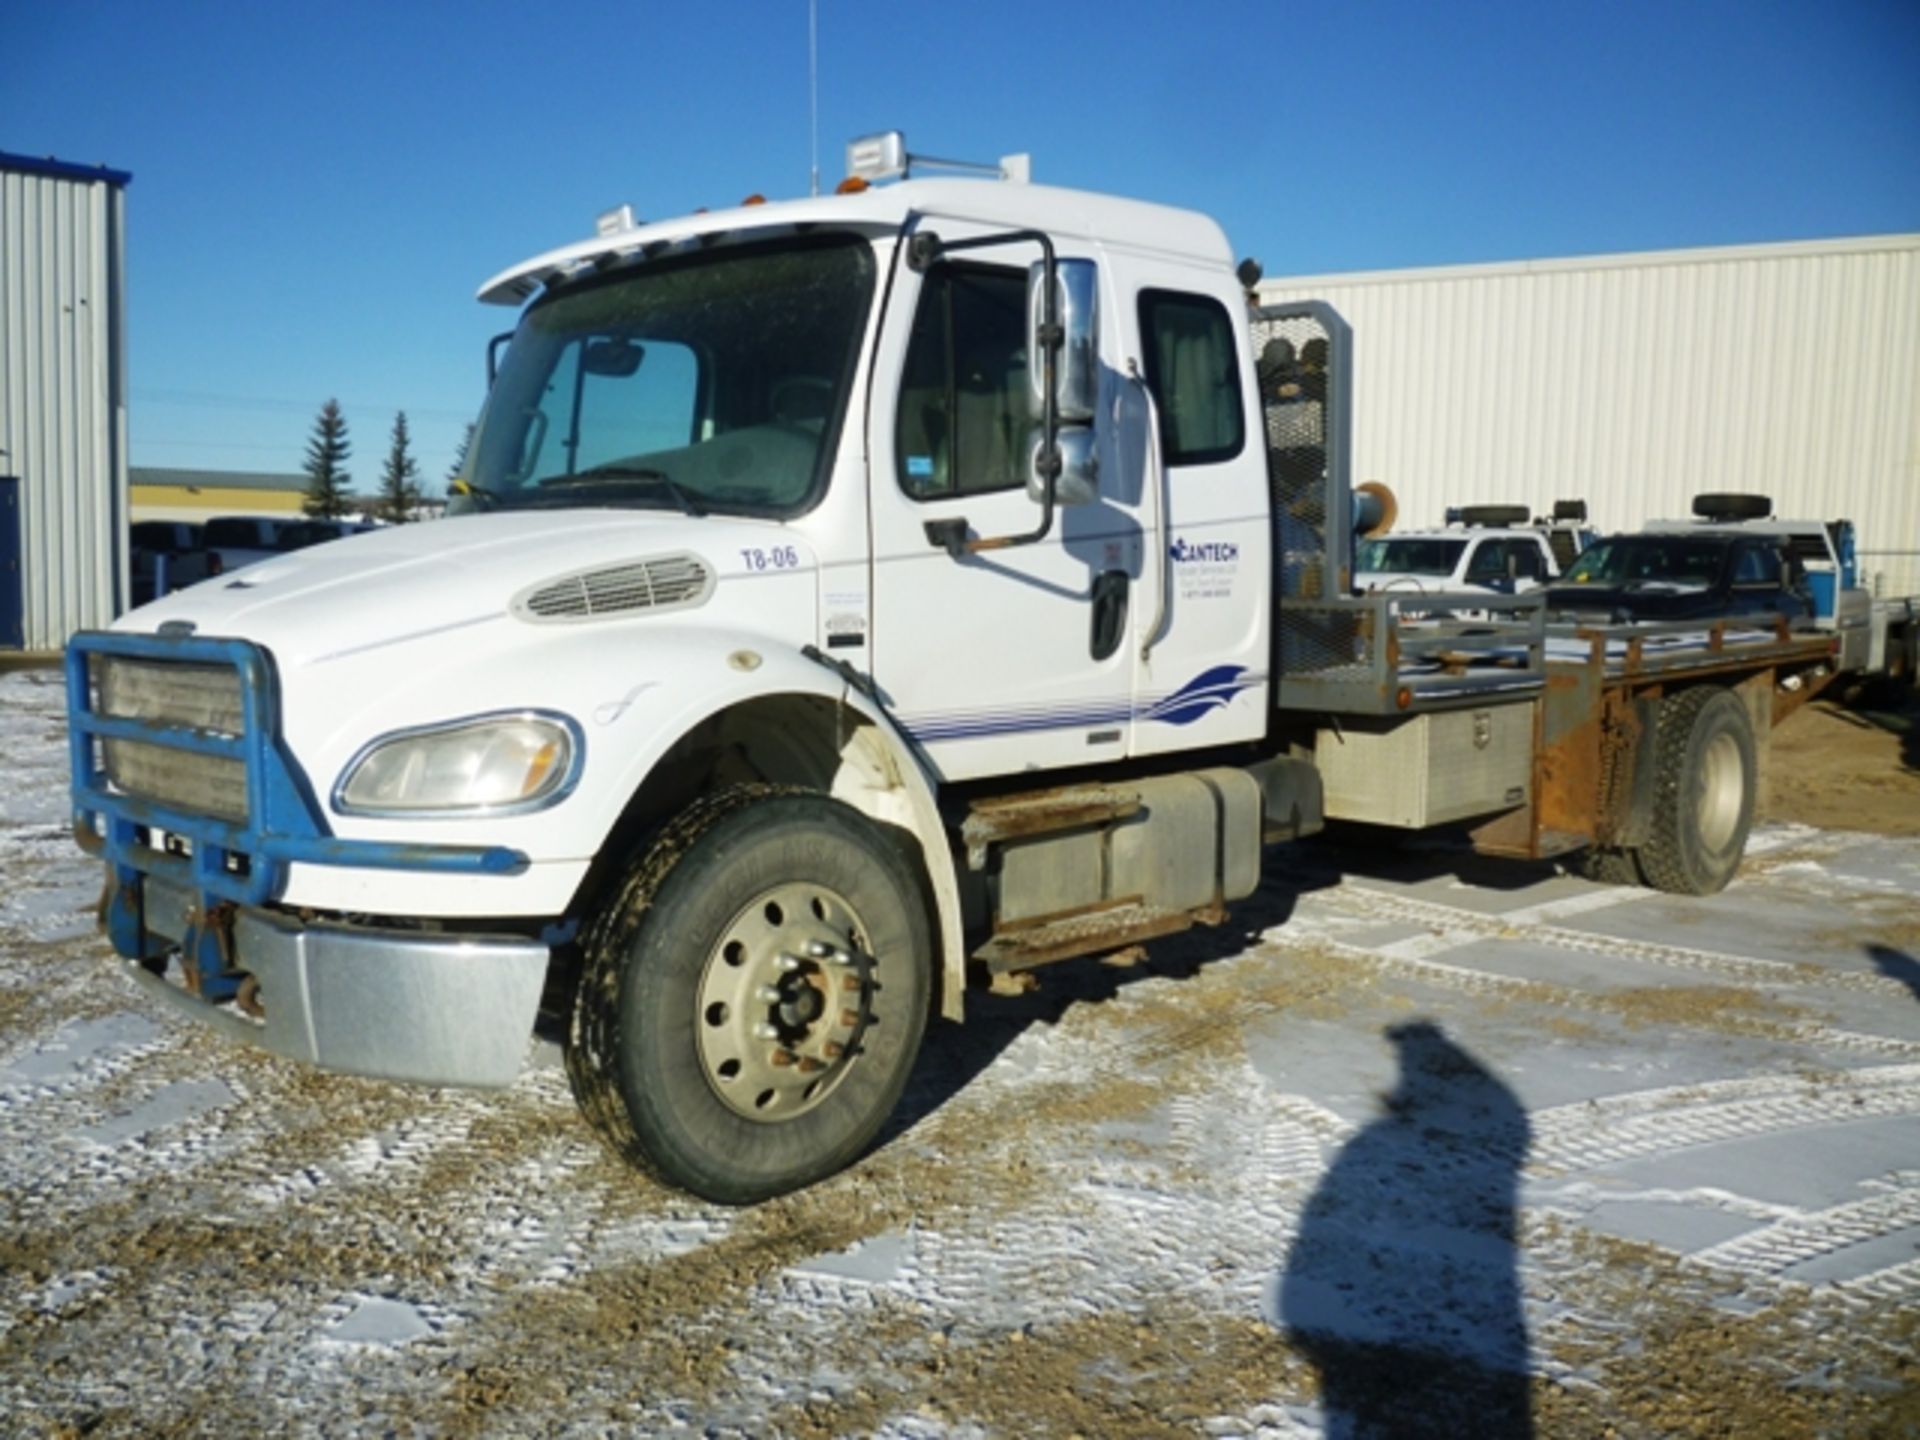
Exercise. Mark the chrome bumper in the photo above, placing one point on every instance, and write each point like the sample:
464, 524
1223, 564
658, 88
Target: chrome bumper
396, 1004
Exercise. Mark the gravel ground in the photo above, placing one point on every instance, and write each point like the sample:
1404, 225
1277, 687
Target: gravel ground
1418, 1145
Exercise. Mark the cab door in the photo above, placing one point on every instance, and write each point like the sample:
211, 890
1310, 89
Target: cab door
1202, 632
1009, 659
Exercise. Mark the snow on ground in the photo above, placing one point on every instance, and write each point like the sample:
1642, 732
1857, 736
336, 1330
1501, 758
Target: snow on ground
1419, 1141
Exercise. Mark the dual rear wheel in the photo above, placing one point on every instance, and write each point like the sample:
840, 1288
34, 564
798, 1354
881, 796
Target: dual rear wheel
1705, 776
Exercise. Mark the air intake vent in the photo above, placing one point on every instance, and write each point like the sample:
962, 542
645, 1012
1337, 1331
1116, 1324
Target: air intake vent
670, 582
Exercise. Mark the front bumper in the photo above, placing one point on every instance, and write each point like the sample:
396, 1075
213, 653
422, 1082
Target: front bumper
190, 891
411, 1005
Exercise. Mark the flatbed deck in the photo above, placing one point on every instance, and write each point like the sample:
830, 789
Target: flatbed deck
1398, 653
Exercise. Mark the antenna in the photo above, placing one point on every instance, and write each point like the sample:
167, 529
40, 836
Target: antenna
813, 86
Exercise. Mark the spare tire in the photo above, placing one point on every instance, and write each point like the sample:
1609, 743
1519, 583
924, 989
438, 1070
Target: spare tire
1494, 515
1732, 507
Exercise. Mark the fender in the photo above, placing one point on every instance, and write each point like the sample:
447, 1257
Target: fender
881, 773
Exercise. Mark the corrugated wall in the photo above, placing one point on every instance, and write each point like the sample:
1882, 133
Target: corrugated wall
1638, 381
63, 424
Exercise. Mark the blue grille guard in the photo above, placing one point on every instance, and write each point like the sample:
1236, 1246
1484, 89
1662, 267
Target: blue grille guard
284, 824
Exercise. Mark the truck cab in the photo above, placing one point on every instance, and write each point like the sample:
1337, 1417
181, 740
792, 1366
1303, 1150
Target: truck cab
875, 515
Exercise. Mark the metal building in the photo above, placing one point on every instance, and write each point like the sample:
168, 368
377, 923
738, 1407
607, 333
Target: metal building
63, 399
1638, 381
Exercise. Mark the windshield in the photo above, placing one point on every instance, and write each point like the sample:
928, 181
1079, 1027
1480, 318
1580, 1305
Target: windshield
1633, 559
715, 382
1410, 557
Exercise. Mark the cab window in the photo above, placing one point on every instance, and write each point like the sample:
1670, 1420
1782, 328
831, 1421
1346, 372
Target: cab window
1193, 367
1489, 562
964, 411
1757, 565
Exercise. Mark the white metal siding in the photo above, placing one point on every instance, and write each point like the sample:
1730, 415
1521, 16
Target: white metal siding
62, 395
1638, 381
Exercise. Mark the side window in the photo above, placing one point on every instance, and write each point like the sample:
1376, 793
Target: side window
964, 413
1193, 367
1529, 563
1489, 562
1757, 565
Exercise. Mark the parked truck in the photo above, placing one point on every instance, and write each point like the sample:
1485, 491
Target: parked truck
860, 599
1879, 636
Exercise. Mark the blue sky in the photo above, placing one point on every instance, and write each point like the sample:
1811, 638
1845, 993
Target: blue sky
318, 190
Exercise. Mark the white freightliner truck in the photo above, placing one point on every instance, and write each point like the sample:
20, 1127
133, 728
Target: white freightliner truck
858, 598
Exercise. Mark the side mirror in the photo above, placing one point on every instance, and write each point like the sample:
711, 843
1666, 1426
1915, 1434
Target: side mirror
1078, 480
494, 347
1076, 373
615, 357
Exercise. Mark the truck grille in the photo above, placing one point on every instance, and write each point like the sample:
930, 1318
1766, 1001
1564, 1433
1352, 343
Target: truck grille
198, 697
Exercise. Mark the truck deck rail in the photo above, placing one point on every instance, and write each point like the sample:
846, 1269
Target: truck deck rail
1396, 653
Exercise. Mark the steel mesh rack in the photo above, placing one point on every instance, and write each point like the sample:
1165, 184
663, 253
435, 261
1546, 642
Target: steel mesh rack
1367, 655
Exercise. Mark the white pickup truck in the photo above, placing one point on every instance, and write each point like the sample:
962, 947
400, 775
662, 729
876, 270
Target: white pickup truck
858, 598
1495, 549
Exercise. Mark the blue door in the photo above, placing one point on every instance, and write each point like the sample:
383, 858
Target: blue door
13, 628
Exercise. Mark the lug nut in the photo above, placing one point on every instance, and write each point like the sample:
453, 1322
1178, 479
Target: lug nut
786, 964
849, 1018
833, 1049
767, 995
850, 983
765, 1032
808, 1065
781, 1058
819, 949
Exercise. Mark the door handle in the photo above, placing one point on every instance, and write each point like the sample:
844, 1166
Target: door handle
1109, 613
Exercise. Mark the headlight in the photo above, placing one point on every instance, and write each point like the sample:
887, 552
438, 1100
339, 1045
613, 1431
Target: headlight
489, 764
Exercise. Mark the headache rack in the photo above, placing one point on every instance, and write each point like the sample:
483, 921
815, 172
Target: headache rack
1399, 652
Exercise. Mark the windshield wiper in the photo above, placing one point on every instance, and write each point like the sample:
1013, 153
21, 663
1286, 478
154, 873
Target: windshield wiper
682, 496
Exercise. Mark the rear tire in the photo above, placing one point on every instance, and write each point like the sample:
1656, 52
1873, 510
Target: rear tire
753, 998
1609, 866
1705, 771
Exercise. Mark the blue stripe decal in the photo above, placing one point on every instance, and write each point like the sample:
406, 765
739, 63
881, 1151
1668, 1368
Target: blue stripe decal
1207, 692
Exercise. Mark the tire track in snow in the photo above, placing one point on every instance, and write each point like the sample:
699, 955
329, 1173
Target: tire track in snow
1610, 1130
1774, 1249
1364, 902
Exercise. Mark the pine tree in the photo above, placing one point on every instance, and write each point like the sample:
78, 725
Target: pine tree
399, 481
327, 452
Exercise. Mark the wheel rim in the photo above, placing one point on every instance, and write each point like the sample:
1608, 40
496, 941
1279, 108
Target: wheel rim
1723, 785
783, 1002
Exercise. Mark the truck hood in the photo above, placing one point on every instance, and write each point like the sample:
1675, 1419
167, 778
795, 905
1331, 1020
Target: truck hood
410, 581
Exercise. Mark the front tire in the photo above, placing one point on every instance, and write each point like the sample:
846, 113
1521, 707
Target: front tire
753, 998
1705, 773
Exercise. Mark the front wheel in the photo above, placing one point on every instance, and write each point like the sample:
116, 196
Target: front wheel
753, 999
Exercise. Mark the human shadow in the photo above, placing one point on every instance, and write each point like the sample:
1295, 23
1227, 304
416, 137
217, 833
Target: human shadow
1402, 1284
1896, 965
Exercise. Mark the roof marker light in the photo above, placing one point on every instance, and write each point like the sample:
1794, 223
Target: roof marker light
612, 222
877, 157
